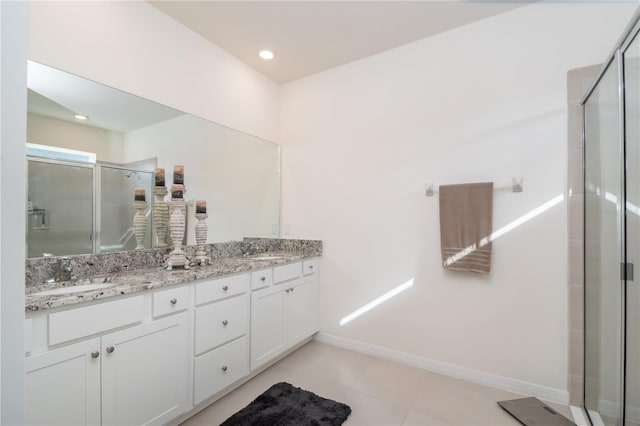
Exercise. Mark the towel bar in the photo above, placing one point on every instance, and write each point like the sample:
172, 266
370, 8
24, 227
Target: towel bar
517, 184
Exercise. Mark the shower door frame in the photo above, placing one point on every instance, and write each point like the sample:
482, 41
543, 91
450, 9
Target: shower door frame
617, 55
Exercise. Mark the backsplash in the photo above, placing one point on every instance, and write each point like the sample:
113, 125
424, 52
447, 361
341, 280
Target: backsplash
39, 270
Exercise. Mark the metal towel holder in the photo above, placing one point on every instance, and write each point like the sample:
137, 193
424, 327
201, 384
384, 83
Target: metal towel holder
517, 185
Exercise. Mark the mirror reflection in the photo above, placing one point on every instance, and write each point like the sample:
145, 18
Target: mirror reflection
75, 206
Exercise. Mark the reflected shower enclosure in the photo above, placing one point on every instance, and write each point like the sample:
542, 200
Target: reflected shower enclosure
78, 208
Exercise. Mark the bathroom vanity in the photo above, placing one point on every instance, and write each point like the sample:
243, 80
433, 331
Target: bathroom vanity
153, 346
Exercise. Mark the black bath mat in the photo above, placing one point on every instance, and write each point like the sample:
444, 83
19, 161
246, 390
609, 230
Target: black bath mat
533, 412
286, 405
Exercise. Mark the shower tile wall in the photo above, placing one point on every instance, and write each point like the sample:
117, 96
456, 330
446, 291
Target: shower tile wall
578, 82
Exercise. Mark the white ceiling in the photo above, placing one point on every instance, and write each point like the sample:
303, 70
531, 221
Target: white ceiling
312, 36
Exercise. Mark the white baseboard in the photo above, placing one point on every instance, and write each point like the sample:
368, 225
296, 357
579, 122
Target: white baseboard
505, 383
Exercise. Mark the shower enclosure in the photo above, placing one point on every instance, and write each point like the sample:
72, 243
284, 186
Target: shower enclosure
78, 208
611, 136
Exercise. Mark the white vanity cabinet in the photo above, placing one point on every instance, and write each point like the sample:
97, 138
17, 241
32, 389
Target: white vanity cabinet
154, 357
284, 312
221, 328
129, 372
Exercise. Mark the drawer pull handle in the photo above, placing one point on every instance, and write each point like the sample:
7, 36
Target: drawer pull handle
110, 349
225, 288
95, 354
263, 278
173, 301
225, 322
224, 368
310, 266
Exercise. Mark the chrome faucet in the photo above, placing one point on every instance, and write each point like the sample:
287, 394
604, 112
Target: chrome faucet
63, 270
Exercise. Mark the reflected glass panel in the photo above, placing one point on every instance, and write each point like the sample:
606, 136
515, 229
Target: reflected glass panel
60, 208
117, 210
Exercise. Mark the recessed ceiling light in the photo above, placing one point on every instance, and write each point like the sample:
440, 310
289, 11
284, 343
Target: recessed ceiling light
267, 55
80, 117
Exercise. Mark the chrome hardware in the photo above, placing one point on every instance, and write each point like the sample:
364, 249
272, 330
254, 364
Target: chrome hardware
62, 271
225, 288
224, 368
225, 322
110, 349
173, 301
263, 278
95, 354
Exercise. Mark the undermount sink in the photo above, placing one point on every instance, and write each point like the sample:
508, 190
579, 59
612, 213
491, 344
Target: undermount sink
73, 289
267, 257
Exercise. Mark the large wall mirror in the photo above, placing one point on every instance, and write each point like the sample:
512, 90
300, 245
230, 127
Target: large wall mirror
77, 205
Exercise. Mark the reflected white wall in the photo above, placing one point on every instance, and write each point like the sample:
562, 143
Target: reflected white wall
236, 174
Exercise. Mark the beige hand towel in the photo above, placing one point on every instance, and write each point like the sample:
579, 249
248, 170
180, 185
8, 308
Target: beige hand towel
466, 216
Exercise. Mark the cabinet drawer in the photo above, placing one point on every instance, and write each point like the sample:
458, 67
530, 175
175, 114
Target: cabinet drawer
219, 368
170, 301
80, 322
309, 267
221, 288
221, 322
261, 279
287, 272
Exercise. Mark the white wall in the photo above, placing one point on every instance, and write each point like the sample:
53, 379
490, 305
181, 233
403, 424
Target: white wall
132, 46
13, 104
482, 102
107, 145
236, 174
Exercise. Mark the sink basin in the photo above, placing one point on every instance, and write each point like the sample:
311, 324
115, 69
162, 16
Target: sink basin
73, 289
267, 257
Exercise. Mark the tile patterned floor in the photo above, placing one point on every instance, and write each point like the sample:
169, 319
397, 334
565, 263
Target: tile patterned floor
379, 392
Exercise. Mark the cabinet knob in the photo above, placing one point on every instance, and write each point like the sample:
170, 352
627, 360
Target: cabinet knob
310, 266
173, 301
288, 290
225, 288
292, 289
225, 322
224, 368
95, 354
263, 278
110, 349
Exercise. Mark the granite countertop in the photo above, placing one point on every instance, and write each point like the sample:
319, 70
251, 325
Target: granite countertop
147, 279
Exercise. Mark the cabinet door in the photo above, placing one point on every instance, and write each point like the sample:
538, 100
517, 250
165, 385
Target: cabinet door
302, 311
268, 325
63, 386
144, 372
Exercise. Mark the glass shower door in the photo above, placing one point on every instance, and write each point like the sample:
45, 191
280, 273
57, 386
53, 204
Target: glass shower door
60, 208
604, 250
116, 211
632, 178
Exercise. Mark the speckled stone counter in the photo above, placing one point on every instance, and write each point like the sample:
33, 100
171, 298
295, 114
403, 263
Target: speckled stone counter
141, 270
